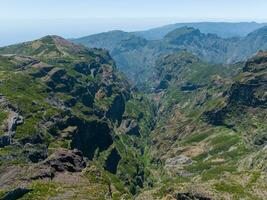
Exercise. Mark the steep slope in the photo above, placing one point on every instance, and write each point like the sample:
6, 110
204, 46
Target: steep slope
107, 40
131, 53
72, 127
250, 45
136, 56
209, 141
67, 121
206, 46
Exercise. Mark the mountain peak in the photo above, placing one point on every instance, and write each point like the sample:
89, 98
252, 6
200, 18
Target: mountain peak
50, 46
180, 32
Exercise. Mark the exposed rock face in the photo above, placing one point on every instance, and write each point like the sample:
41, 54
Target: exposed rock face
13, 120
130, 127
251, 89
248, 91
176, 165
62, 160
188, 196
179, 160
66, 160
70, 97
136, 57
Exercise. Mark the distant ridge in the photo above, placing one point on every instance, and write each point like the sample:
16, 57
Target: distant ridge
222, 29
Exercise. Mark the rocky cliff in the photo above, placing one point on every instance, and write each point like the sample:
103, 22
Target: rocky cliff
65, 123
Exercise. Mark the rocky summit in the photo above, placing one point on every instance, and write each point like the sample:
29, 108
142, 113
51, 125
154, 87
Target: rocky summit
72, 126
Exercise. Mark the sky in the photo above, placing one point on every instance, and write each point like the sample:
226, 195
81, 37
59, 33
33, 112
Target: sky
22, 20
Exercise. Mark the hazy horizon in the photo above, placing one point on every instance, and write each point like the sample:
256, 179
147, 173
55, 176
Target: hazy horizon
27, 20
14, 31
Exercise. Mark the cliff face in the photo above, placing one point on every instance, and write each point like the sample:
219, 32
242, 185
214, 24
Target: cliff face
210, 129
54, 95
71, 125
137, 57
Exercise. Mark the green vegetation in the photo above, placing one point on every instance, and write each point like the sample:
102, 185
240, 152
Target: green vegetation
195, 130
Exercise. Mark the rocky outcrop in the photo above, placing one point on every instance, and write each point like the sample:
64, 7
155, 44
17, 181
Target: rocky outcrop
179, 160
251, 87
130, 127
66, 160
248, 91
13, 120
71, 97
190, 196
62, 160
175, 166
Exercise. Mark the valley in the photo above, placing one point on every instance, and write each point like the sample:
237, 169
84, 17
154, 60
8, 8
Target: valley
121, 116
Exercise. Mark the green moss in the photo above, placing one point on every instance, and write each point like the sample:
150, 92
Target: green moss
196, 138
222, 143
3, 116
198, 167
217, 171
232, 188
42, 190
58, 143
27, 129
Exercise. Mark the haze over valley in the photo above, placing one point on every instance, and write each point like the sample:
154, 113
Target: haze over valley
127, 100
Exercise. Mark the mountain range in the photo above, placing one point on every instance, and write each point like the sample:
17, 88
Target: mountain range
136, 56
173, 118
222, 29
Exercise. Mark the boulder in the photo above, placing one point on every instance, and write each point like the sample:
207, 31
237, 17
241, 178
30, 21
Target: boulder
178, 160
63, 160
66, 160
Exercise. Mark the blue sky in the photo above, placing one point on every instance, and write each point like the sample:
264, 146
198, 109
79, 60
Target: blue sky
22, 20
184, 9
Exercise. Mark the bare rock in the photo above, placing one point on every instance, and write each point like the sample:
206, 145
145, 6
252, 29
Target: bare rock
190, 196
178, 160
63, 160
66, 160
